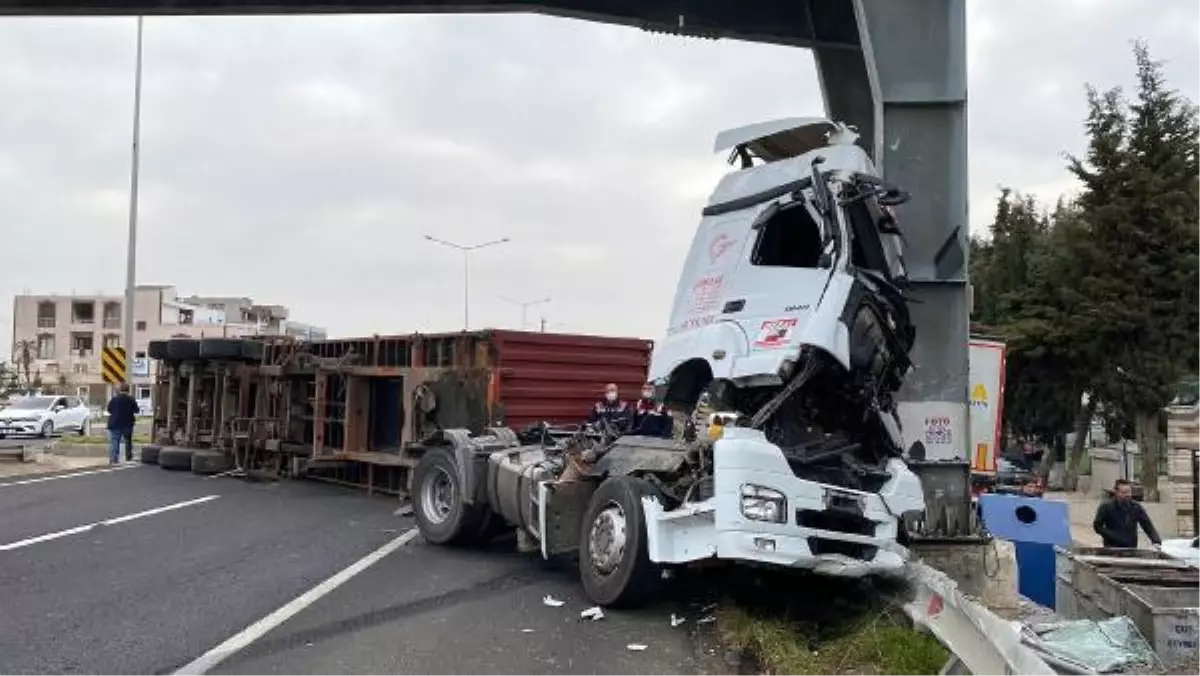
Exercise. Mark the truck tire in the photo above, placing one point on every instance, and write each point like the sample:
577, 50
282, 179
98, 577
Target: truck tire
220, 348
174, 458
149, 454
208, 461
183, 348
442, 516
614, 563
157, 349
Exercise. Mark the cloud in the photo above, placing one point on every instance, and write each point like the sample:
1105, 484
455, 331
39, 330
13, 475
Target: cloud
300, 160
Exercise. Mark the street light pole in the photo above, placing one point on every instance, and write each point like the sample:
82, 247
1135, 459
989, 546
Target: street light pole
525, 305
131, 256
466, 252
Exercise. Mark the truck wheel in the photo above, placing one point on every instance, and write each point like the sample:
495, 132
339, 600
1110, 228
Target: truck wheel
150, 454
613, 561
441, 514
175, 458
209, 461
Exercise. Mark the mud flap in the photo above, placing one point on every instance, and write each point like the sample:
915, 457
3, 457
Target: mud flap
560, 515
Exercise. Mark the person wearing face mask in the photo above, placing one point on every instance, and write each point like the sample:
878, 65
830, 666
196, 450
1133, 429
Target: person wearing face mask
650, 418
612, 410
1117, 520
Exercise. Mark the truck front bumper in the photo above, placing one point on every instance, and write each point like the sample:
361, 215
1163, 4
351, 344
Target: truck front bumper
828, 529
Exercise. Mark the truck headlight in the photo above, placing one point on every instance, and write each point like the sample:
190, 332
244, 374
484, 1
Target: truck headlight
760, 503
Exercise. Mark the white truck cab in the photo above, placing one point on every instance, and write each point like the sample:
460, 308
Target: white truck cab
767, 272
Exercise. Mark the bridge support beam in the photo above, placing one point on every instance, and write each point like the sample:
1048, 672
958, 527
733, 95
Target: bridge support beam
906, 90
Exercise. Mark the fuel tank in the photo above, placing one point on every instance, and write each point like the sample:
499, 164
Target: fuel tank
512, 484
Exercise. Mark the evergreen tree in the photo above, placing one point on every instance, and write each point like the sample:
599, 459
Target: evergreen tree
1140, 203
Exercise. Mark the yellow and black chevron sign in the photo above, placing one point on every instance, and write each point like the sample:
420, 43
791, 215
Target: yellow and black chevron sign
112, 365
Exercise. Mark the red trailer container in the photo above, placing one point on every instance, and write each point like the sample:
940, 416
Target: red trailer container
556, 377
358, 395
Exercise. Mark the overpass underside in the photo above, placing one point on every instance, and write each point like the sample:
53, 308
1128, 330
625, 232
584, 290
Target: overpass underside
896, 69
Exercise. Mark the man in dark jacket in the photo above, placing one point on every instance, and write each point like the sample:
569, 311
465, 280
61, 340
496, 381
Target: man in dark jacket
1118, 519
611, 410
650, 418
122, 410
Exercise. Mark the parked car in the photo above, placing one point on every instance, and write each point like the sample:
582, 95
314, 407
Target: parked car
44, 416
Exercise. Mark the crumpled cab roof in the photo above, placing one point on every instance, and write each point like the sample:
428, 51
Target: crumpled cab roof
776, 140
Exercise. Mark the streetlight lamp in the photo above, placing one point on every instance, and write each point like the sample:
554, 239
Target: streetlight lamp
466, 251
131, 256
525, 305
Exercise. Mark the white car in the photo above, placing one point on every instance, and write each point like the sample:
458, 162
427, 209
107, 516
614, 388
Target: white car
44, 416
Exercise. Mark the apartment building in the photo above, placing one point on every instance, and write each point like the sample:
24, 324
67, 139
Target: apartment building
66, 333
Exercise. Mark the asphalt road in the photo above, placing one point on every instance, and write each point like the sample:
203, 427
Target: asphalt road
175, 572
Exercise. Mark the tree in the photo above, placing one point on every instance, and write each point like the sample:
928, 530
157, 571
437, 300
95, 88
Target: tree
1141, 187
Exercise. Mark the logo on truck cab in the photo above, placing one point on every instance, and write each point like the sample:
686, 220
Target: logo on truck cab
775, 332
718, 246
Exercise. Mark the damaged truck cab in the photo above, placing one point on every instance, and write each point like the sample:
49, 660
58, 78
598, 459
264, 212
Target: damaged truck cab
790, 312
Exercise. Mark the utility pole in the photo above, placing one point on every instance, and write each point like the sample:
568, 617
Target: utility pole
131, 256
525, 305
466, 252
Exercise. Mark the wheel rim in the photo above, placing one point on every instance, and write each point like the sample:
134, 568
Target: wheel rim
606, 540
438, 496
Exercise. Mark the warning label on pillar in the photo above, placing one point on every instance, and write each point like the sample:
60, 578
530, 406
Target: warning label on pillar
938, 431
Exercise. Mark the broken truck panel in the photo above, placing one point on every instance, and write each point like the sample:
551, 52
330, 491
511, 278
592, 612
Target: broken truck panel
781, 139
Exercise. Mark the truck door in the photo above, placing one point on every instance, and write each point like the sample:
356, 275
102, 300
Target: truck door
781, 275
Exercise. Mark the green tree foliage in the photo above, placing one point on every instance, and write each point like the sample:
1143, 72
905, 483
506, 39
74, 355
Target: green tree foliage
1100, 296
1140, 198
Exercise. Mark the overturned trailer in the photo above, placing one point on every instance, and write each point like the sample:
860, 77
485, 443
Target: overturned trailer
347, 410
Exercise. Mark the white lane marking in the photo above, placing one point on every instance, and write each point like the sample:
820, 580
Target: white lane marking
56, 477
245, 637
109, 522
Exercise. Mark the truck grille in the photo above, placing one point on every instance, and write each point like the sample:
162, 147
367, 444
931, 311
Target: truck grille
837, 521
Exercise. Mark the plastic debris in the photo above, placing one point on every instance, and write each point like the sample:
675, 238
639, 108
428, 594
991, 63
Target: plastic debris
709, 608
551, 601
676, 620
403, 510
707, 619
594, 613
636, 647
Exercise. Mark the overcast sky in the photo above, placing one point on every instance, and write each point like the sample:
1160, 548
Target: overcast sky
300, 160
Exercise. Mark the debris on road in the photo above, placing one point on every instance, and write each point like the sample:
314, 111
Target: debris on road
707, 619
594, 613
404, 510
551, 601
527, 631
676, 620
636, 647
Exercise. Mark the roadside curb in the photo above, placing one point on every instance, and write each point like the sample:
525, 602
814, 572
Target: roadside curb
77, 450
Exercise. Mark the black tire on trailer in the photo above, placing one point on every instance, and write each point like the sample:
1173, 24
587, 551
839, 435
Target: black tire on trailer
210, 461
253, 350
149, 454
220, 348
183, 348
175, 458
616, 574
157, 349
442, 516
